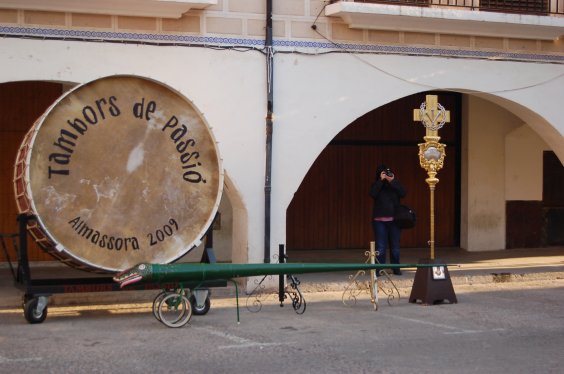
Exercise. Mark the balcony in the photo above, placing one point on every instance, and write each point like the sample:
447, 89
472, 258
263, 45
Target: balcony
138, 8
527, 19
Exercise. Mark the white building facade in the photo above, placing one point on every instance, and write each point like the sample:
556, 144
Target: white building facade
357, 57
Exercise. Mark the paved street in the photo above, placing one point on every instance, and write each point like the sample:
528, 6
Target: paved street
515, 327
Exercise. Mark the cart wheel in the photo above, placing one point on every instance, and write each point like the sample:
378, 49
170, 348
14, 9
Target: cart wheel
175, 310
159, 298
157, 302
35, 309
200, 310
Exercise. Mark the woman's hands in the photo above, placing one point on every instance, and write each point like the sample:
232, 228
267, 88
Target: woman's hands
384, 176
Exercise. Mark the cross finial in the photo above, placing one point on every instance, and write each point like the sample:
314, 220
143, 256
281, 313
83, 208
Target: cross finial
432, 114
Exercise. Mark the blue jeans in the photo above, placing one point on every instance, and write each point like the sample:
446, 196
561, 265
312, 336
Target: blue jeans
387, 233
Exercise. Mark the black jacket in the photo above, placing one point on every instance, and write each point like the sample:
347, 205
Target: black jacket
386, 197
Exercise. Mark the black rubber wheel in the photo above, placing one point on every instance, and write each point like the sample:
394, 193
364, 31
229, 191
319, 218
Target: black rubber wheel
202, 309
31, 314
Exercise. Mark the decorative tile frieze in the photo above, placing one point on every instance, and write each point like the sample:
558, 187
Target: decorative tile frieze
303, 46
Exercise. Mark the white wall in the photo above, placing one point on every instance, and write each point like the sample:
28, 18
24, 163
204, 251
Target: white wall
485, 128
221, 84
524, 164
502, 160
315, 97
222, 236
336, 89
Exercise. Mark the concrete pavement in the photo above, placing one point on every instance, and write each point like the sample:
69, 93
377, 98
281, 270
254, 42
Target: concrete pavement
513, 327
508, 328
466, 268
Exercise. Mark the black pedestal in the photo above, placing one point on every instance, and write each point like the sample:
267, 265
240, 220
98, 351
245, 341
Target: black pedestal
432, 285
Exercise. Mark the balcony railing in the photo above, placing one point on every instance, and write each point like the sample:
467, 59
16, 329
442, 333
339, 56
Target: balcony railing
535, 7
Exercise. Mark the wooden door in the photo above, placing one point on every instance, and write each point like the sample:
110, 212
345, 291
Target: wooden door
21, 103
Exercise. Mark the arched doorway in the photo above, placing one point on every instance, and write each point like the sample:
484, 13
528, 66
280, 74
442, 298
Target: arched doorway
332, 208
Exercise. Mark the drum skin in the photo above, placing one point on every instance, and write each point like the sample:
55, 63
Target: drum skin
119, 171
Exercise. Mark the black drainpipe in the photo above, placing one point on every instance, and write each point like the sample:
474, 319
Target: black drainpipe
269, 110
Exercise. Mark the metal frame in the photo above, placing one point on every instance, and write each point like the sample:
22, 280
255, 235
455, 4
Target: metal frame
37, 291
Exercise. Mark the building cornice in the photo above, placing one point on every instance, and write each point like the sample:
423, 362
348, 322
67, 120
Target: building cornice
137, 8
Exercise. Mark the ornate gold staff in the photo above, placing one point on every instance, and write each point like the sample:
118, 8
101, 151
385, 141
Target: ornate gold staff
432, 153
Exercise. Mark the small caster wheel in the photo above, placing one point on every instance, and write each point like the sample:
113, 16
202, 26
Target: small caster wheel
200, 310
35, 309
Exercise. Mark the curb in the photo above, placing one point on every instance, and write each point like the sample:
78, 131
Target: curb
14, 300
406, 281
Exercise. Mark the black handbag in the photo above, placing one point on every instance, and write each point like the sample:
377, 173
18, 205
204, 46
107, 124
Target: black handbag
404, 217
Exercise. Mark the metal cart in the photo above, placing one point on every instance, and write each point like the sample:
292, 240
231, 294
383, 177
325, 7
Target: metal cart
37, 291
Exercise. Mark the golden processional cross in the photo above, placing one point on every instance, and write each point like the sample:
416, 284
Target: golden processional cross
432, 153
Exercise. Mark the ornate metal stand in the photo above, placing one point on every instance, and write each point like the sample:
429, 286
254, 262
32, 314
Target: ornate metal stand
384, 283
291, 290
257, 295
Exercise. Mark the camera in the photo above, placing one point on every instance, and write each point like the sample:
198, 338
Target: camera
389, 172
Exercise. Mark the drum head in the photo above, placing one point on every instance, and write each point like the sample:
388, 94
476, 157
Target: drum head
123, 170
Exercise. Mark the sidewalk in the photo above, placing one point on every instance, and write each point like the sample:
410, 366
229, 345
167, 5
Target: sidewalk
466, 268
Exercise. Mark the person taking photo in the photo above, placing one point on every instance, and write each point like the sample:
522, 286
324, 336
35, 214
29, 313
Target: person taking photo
386, 192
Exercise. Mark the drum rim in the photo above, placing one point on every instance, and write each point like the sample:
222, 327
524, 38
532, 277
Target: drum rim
61, 248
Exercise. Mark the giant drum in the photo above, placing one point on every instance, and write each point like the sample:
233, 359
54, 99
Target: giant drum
118, 171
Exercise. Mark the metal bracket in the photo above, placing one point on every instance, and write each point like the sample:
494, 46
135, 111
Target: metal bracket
200, 294
42, 302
